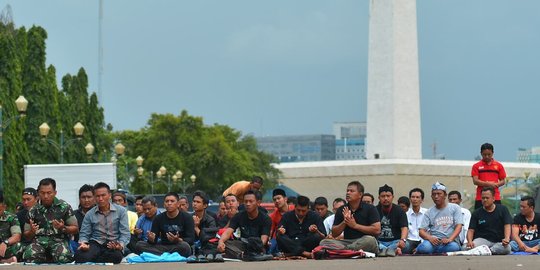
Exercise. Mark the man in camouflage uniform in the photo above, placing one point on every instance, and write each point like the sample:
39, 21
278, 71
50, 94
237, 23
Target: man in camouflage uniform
10, 234
51, 221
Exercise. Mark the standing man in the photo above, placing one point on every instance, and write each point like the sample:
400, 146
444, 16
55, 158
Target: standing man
487, 173
525, 227
254, 231
359, 223
105, 231
415, 215
50, 222
441, 224
394, 227
490, 225
10, 234
241, 187
172, 230
455, 197
300, 231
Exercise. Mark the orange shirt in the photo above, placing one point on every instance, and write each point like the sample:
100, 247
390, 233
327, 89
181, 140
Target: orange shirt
239, 189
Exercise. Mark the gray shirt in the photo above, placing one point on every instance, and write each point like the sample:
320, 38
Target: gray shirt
103, 228
442, 222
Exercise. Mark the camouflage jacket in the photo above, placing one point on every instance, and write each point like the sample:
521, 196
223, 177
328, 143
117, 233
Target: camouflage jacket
9, 225
43, 217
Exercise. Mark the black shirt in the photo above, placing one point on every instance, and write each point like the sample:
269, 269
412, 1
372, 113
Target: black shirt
296, 230
490, 225
181, 224
251, 227
366, 215
23, 218
79, 214
528, 231
207, 226
391, 223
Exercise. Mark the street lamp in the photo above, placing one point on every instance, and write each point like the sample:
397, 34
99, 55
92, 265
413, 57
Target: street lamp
21, 104
183, 184
61, 145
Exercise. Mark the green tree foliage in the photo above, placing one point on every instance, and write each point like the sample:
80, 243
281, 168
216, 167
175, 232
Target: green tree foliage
218, 155
11, 86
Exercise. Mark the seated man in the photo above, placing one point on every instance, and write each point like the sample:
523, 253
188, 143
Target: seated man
144, 223
280, 202
329, 221
367, 198
205, 225
454, 196
441, 224
415, 215
490, 225
120, 199
359, 223
172, 231
300, 230
105, 231
29, 199
232, 204
51, 221
394, 229
320, 205
254, 232
10, 233
525, 227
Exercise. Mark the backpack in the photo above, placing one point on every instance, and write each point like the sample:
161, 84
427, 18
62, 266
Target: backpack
330, 252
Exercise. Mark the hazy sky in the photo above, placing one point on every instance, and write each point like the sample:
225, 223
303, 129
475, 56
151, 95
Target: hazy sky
294, 67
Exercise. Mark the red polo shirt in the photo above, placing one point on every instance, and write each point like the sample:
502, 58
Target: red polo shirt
492, 172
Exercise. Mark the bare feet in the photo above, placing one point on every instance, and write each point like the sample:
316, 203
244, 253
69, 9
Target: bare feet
307, 254
398, 251
9, 260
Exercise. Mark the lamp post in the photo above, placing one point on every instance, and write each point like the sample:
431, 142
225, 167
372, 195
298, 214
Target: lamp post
62, 144
21, 104
185, 185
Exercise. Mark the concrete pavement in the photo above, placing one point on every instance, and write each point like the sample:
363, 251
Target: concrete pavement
405, 262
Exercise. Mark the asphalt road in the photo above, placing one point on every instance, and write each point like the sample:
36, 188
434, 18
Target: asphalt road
406, 262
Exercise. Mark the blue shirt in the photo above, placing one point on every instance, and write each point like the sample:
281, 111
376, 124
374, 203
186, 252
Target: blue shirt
145, 224
103, 228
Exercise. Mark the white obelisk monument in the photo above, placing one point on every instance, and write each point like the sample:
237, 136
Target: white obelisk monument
393, 107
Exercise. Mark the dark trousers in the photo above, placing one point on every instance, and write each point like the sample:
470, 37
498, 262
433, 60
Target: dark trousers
234, 249
478, 204
99, 254
182, 248
295, 247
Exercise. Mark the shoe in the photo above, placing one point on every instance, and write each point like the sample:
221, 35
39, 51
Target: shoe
258, 257
382, 253
219, 258
390, 252
210, 258
191, 259
201, 259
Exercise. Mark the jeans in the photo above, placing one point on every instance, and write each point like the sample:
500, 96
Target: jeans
532, 243
388, 244
427, 248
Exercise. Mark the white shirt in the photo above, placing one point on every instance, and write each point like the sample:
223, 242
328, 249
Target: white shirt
415, 220
328, 223
466, 219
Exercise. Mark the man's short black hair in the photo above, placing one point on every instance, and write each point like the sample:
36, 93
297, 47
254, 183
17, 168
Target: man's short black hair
139, 197
386, 188
486, 146
47, 182
121, 194
404, 200
101, 185
251, 192
149, 199
417, 190
85, 188
230, 194
202, 195
257, 179
174, 194
339, 200
529, 200
490, 189
359, 186
454, 192
292, 200
302, 201
321, 201
369, 195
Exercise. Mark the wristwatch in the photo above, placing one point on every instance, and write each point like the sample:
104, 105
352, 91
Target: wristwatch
6, 242
404, 240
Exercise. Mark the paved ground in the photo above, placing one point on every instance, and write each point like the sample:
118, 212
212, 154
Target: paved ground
408, 263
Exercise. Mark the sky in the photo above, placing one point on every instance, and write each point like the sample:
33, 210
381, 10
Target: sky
294, 67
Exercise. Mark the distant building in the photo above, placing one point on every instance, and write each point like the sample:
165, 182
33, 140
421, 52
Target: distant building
530, 155
296, 148
350, 140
